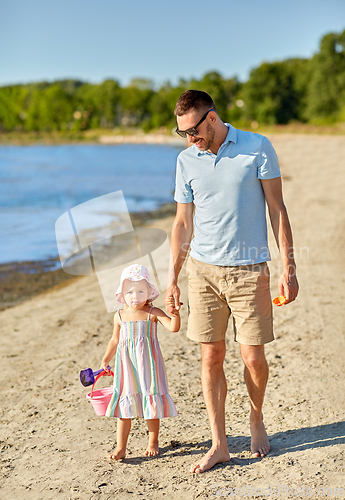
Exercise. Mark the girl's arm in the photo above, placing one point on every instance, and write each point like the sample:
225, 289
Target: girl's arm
172, 324
112, 346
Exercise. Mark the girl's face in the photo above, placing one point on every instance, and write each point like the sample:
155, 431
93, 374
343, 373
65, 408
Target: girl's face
135, 293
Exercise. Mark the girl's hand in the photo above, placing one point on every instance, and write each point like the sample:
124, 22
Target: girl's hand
171, 324
104, 365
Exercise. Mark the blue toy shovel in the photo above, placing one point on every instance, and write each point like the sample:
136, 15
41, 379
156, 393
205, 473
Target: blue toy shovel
87, 376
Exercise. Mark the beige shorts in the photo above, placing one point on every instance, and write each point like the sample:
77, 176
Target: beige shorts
216, 292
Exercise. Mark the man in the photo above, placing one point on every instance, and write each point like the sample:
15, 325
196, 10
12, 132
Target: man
227, 175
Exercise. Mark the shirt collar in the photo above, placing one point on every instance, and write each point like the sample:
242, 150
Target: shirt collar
232, 134
231, 137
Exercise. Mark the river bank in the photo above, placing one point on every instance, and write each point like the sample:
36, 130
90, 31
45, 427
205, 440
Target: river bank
137, 136
93, 136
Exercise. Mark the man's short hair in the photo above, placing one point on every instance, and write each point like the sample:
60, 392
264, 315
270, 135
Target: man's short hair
197, 100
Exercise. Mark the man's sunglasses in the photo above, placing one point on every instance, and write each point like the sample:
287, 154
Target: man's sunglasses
193, 131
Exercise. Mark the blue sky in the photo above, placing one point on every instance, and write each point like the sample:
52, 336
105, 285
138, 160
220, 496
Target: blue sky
94, 40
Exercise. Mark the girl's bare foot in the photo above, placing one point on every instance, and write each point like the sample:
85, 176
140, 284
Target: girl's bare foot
153, 427
118, 454
152, 450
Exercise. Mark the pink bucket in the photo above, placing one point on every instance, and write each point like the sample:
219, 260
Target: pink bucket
100, 398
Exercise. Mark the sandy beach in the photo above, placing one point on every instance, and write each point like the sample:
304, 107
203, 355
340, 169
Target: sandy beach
54, 446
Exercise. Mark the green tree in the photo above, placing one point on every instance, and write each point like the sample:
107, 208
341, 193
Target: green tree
87, 105
69, 85
162, 105
13, 101
326, 89
142, 83
274, 91
135, 104
222, 91
49, 109
97, 105
33, 114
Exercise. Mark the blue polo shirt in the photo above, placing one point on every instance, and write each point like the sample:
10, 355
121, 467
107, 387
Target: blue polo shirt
230, 226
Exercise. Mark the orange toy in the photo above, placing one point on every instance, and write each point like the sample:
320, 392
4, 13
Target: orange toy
279, 301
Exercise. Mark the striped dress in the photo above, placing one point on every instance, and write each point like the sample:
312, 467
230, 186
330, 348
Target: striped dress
140, 382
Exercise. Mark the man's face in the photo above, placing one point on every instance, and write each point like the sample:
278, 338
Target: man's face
206, 132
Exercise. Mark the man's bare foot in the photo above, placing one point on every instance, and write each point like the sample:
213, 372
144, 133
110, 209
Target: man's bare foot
152, 450
213, 456
118, 454
260, 444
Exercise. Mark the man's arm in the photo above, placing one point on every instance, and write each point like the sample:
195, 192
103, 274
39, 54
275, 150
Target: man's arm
288, 284
181, 235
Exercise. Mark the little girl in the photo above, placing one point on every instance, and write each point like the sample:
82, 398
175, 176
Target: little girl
140, 383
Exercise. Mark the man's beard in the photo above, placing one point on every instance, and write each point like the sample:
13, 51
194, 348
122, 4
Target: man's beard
209, 137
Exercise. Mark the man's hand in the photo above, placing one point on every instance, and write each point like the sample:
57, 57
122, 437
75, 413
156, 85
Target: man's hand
288, 285
172, 300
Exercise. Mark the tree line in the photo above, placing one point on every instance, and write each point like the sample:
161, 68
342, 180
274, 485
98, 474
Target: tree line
293, 90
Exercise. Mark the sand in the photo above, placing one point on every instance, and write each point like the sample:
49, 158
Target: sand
54, 446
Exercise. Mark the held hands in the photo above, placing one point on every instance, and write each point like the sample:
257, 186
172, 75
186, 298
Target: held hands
172, 300
288, 285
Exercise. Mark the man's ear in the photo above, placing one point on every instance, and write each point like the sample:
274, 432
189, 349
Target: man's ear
213, 117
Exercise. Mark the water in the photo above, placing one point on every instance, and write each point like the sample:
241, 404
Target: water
39, 183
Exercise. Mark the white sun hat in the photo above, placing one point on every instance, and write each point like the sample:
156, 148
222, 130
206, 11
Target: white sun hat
136, 272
